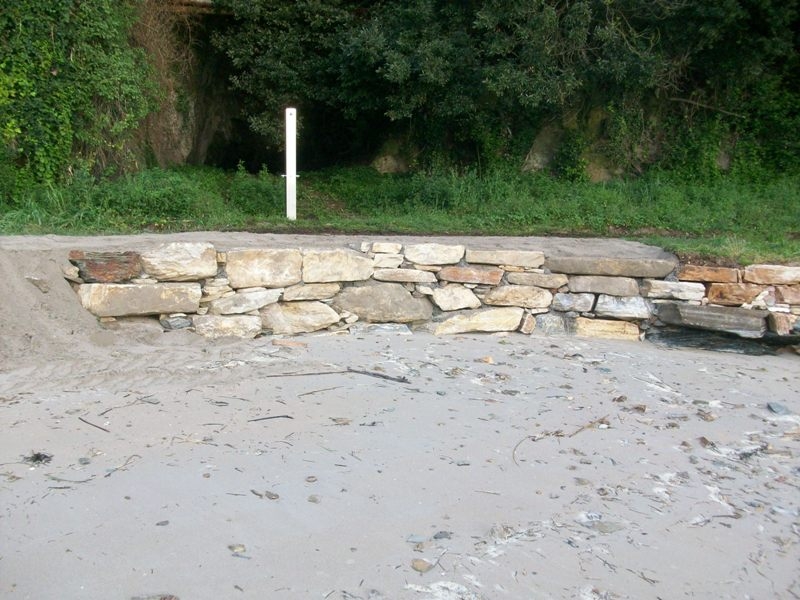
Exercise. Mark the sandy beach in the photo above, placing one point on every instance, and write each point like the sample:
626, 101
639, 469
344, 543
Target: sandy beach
381, 463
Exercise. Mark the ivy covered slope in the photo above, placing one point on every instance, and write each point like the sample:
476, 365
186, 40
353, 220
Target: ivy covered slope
665, 81
72, 88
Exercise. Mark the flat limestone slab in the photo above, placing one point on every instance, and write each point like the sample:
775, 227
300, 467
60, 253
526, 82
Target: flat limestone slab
613, 266
123, 300
744, 322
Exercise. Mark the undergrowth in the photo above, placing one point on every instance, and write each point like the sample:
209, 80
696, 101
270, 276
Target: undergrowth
725, 218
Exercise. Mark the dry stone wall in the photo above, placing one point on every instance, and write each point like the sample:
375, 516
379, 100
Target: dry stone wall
447, 288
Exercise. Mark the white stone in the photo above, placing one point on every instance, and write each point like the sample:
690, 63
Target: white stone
676, 290
214, 326
488, 320
325, 266
387, 261
404, 275
180, 261
287, 318
455, 297
619, 307
260, 267
526, 296
387, 247
120, 300
311, 291
241, 303
434, 254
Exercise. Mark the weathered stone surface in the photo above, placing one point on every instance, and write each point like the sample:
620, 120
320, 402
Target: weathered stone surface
708, 274
517, 258
106, 267
613, 286
119, 300
387, 261
404, 275
603, 328
673, 290
733, 294
772, 274
383, 303
488, 320
573, 302
787, 294
622, 307
551, 324
324, 266
471, 275
434, 254
241, 303
297, 317
311, 291
455, 297
215, 326
528, 324
621, 267
740, 321
252, 267
175, 322
551, 281
525, 296
387, 247
181, 261
782, 323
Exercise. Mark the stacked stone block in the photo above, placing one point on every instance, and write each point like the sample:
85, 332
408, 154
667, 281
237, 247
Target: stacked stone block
449, 288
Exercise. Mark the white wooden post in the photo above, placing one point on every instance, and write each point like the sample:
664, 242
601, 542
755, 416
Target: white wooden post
291, 164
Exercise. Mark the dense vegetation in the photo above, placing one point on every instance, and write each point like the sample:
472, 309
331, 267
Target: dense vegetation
694, 106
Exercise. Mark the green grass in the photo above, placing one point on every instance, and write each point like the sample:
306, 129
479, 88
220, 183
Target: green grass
725, 219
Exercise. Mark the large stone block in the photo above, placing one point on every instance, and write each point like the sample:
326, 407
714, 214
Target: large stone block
708, 274
383, 303
787, 294
622, 307
782, 323
603, 328
740, 321
214, 326
673, 290
455, 297
261, 267
573, 302
477, 275
325, 266
733, 294
550, 281
297, 317
517, 258
621, 267
488, 320
387, 247
434, 254
238, 304
772, 274
551, 324
525, 296
121, 300
181, 261
613, 286
387, 261
404, 275
106, 267
311, 291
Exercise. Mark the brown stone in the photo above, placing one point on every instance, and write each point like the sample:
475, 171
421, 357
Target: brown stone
106, 267
471, 275
551, 281
607, 329
733, 294
708, 274
772, 274
781, 323
787, 294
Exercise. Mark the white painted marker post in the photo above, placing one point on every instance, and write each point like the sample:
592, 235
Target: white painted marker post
291, 164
